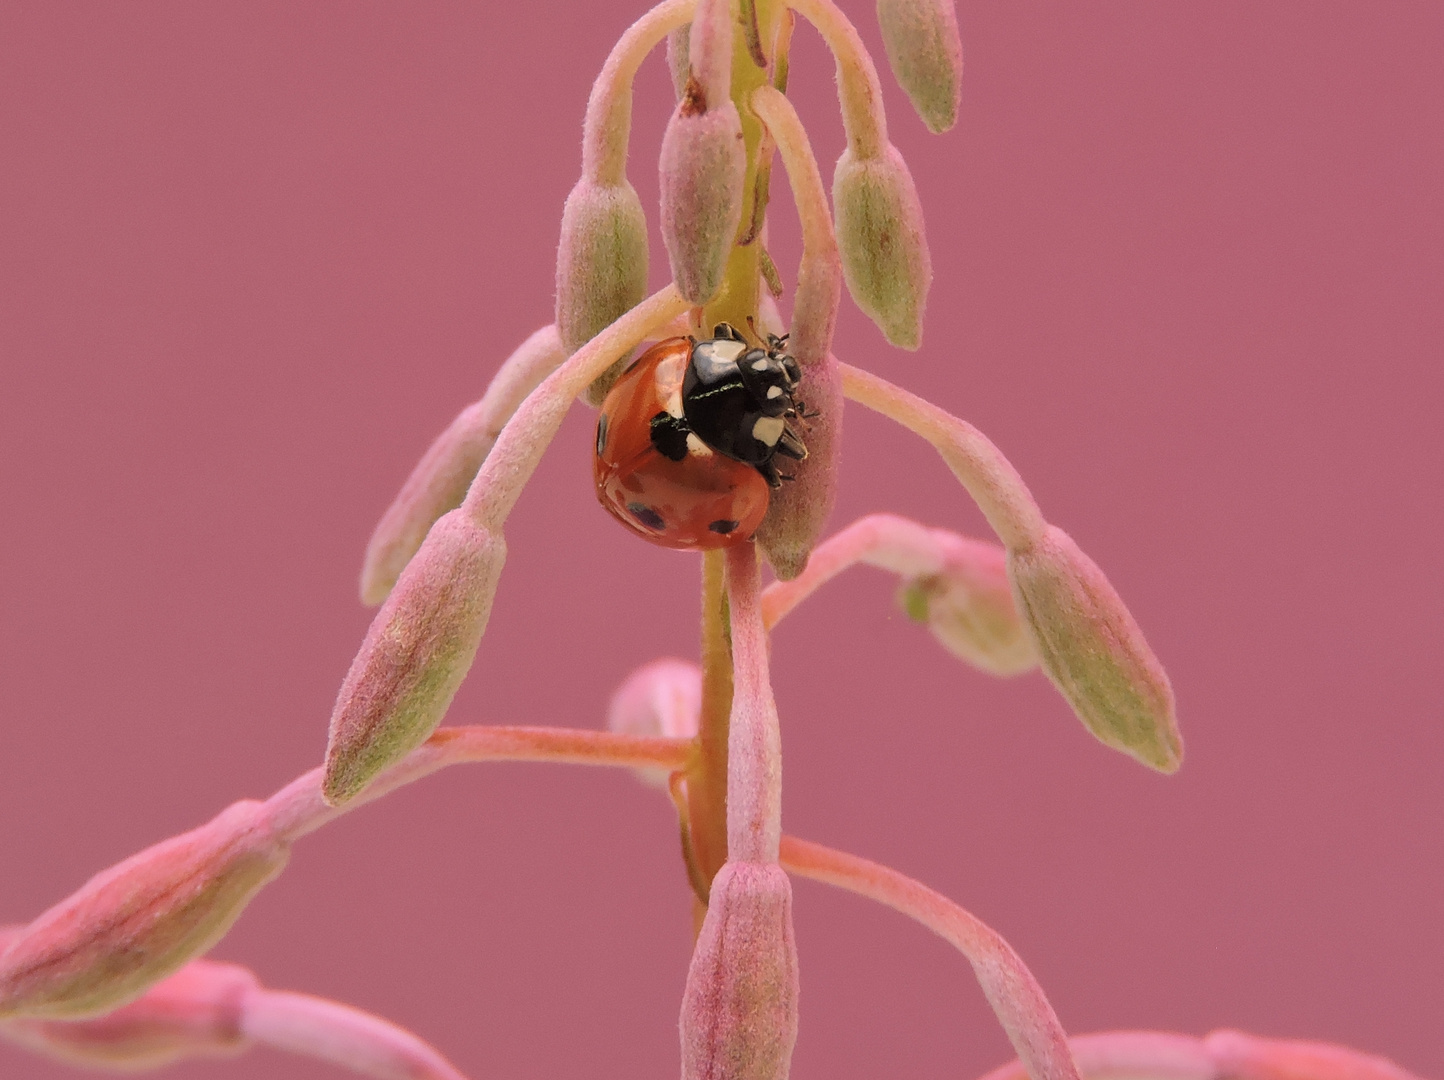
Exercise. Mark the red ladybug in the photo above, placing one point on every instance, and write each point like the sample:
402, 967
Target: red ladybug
687, 436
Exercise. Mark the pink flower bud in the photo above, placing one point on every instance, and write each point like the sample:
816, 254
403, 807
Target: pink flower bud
968, 605
703, 169
601, 265
926, 54
194, 1013
881, 238
1094, 652
1247, 1057
799, 510
739, 1011
661, 698
137, 922
418, 649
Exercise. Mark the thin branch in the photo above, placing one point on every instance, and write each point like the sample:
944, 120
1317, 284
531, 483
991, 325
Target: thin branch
1009, 986
754, 742
857, 82
979, 465
298, 808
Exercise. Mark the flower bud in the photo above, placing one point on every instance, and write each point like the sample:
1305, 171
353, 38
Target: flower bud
739, 1011
1094, 652
926, 54
1237, 1056
601, 265
418, 649
194, 1013
798, 510
703, 169
661, 698
968, 606
137, 922
880, 235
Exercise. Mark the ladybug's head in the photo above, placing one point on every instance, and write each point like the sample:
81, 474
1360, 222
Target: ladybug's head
772, 377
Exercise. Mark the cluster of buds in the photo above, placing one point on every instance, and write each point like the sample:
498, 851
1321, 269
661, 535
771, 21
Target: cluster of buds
114, 976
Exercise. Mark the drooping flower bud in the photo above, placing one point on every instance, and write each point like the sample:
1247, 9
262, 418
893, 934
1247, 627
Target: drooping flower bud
439, 481
137, 922
601, 264
418, 649
739, 1011
194, 1013
661, 698
881, 237
968, 605
1238, 1056
1094, 652
926, 54
703, 169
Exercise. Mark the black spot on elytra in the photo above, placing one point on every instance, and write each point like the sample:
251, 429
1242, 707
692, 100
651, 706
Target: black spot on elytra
722, 526
647, 516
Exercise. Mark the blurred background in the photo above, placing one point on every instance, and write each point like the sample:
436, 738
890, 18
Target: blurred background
253, 257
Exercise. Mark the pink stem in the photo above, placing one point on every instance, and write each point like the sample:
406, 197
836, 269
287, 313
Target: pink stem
1009, 986
350, 1038
1131, 1055
754, 742
298, 808
886, 541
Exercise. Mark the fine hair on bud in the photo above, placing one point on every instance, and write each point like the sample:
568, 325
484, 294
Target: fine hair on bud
1094, 652
926, 54
799, 509
739, 1010
880, 236
417, 651
601, 266
132, 925
703, 171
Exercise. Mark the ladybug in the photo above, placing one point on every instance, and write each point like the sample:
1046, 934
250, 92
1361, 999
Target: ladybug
687, 437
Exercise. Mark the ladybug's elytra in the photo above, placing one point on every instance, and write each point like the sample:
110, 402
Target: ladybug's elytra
687, 437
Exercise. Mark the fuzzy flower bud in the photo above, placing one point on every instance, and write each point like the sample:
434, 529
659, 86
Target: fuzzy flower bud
418, 649
1094, 652
137, 922
926, 54
661, 698
739, 1011
194, 1013
968, 606
880, 235
703, 169
601, 260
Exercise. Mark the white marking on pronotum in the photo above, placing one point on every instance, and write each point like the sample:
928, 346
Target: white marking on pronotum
696, 445
768, 430
774, 392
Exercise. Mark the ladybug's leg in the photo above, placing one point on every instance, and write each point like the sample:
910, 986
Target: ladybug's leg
769, 472
791, 445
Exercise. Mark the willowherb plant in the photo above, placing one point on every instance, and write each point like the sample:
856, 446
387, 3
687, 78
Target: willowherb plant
114, 976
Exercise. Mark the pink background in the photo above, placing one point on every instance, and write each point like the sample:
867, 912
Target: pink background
254, 256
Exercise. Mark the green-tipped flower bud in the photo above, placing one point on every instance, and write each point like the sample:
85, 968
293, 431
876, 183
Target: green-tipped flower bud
703, 168
739, 1011
132, 925
418, 649
601, 265
968, 606
926, 54
1094, 652
884, 250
